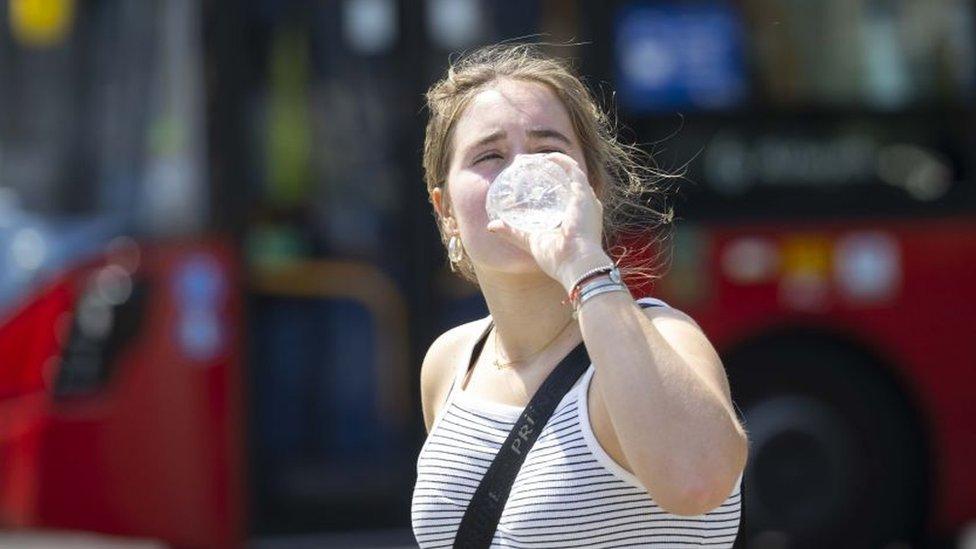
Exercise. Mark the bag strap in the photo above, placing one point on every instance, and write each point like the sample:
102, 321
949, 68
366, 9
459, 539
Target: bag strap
485, 508
480, 519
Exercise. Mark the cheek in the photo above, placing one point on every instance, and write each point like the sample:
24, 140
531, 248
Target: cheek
469, 202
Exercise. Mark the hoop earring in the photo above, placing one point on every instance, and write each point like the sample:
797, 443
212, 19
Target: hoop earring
455, 250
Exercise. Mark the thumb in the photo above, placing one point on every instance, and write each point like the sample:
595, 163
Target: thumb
506, 231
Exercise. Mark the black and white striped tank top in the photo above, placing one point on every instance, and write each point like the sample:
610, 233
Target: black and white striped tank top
569, 492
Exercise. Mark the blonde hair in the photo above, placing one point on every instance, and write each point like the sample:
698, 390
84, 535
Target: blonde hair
633, 190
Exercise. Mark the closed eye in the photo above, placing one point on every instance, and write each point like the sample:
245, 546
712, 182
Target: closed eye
487, 157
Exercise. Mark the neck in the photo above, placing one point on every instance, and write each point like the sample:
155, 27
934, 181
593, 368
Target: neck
527, 310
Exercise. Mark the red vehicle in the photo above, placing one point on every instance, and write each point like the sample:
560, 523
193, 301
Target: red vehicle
827, 247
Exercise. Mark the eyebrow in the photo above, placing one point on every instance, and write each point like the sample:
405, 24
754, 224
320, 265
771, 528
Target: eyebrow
493, 136
537, 133
546, 133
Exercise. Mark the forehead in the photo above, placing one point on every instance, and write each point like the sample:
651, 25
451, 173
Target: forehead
511, 103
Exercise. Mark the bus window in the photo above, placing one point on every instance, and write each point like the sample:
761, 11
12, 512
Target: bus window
781, 108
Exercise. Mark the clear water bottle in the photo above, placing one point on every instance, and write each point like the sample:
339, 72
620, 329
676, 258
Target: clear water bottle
531, 194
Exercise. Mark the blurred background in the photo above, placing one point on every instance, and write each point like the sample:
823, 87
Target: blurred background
219, 271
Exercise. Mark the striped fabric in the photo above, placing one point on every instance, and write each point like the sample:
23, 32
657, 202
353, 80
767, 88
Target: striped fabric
569, 493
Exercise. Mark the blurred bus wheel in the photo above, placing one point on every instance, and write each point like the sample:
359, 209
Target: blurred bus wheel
836, 455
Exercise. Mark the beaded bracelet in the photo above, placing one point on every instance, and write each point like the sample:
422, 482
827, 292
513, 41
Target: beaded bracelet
609, 270
590, 274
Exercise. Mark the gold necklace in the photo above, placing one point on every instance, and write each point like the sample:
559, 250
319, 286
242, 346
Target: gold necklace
499, 364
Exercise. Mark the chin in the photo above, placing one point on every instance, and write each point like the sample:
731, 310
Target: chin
521, 264
504, 258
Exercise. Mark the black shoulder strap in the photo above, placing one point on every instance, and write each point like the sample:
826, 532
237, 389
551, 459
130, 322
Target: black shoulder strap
481, 517
480, 344
475, 352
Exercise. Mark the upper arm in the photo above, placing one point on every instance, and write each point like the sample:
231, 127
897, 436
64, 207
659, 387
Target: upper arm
687, 339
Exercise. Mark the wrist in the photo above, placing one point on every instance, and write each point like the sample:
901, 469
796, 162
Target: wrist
573, 270
596, 291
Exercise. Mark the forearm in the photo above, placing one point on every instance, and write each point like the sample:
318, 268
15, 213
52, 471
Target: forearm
677, 432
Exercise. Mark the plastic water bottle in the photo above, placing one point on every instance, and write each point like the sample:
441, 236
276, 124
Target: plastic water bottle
531, 194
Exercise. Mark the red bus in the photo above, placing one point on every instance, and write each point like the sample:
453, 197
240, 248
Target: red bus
827, 244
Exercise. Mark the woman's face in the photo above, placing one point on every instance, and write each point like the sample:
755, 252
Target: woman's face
507, 118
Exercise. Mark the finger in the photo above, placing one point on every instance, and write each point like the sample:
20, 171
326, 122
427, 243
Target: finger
562, 158
509, 233
565, 161
579, 189
577, 179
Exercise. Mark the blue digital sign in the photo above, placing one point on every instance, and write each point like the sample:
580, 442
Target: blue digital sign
670, 55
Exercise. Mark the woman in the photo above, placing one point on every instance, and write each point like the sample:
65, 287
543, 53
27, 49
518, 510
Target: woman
645, 449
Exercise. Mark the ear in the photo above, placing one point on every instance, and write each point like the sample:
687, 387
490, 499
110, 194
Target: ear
436, 196
442, 209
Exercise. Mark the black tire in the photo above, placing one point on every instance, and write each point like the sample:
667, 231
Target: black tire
836, 457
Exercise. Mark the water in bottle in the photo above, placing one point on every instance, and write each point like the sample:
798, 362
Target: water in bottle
530, 194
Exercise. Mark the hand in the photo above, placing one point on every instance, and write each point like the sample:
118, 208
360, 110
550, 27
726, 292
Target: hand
568, 251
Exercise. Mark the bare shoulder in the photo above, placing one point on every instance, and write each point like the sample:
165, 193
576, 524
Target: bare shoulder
441, 362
